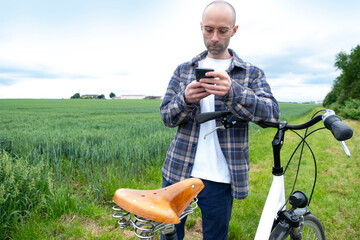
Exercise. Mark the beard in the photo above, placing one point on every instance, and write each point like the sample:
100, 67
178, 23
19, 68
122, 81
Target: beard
216, 48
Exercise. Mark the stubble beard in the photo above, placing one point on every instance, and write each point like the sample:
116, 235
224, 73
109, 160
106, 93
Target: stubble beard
220, 47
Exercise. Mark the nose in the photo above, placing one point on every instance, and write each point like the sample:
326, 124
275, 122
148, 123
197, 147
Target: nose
215, 36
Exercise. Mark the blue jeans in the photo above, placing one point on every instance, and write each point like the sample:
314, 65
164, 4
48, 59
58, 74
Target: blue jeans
215, 203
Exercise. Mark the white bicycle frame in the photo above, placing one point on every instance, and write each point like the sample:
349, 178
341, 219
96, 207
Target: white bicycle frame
274, 202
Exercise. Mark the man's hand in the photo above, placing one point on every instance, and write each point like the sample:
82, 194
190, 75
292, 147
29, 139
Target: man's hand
219, 84
194, 92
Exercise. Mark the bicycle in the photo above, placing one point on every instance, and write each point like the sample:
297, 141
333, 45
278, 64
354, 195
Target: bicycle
149, 211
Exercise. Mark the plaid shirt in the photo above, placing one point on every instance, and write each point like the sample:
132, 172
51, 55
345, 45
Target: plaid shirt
249, 99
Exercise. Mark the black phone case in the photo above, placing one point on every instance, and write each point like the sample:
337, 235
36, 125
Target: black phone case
200, 72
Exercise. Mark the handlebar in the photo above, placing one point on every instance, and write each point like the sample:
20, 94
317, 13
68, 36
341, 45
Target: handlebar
204, 117
340, 130
331, 121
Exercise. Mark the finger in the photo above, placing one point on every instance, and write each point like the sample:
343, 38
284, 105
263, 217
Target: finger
198, 90
195, 94
215, 87
202, 95
216, 92
194, 84
210, 81
199, 96
220, 90
217, 74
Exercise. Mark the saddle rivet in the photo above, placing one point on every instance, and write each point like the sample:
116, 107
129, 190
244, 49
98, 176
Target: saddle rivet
193, 187
152, 206
134, 200
170, 211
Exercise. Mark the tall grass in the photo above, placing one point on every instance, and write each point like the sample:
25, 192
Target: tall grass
89, 146
23, 188
80, 136
76, 153
336, 190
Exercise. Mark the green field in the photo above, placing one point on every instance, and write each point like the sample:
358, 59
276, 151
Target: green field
62, 160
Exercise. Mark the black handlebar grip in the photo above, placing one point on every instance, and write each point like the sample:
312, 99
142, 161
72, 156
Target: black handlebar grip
340, 130
204, 117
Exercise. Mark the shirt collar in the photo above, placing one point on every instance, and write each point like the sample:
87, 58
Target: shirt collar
235, 62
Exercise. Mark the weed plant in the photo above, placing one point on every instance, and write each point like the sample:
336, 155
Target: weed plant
23, 188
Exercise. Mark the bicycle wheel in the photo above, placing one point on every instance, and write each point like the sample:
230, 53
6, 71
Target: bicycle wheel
312, 228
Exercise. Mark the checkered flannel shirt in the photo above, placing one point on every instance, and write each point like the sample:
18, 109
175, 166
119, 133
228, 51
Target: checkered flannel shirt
249, 99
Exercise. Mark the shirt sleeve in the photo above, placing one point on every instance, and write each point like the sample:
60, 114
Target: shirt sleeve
252, 99
173, 109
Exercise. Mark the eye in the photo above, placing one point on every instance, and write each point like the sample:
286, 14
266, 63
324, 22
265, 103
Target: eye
209, 29
223, 30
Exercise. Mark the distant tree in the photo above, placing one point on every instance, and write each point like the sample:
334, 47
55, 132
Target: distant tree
102, 96
75, 96
346, 86
112, 95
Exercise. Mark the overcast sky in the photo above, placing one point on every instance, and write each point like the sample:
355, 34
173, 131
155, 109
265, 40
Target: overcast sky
53, 49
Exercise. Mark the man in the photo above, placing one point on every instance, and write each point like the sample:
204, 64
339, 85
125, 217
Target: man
221, 160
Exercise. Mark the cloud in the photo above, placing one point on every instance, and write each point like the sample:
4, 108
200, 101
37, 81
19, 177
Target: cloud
284, 90
134, 46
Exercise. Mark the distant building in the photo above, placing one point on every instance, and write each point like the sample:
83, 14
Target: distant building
312, 102
132, 96
135, 96
89, 96
93, 96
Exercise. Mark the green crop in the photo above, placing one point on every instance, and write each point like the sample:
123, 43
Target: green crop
63, 158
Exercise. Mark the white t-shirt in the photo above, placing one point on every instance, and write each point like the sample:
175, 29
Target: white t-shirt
210, 163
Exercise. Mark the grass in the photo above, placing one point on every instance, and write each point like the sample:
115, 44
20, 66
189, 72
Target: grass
62, 160
337, 187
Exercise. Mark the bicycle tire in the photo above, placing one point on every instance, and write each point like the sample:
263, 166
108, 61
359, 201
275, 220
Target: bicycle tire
312, 228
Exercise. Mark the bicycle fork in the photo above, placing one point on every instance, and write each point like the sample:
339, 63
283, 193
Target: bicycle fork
290, 222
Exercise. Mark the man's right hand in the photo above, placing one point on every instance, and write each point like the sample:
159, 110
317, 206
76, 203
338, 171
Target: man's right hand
194, 93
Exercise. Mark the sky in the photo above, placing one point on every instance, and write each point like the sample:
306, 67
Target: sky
54, 49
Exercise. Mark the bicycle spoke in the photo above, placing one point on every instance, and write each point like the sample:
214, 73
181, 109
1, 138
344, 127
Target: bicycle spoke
308, 233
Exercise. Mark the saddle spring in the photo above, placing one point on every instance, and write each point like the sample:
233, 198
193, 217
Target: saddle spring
143, 228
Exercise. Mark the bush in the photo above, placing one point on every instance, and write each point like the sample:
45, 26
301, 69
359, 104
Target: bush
22, 188
75, 96
351, 110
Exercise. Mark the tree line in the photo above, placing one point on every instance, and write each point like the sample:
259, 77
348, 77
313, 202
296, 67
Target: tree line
344, 97
90, 96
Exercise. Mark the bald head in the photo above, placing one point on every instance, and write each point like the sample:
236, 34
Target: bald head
223, 5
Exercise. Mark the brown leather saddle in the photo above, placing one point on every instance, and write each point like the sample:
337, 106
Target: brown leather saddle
162, 205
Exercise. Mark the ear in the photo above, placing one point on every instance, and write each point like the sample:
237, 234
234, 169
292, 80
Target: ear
234, 30
201, 25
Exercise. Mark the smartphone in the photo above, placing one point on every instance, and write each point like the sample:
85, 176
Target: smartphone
200, 73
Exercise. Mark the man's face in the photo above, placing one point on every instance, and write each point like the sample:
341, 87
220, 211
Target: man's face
217, 28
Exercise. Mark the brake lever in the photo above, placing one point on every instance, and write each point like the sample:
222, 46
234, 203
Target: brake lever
221, 127
226, 125
346, 150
